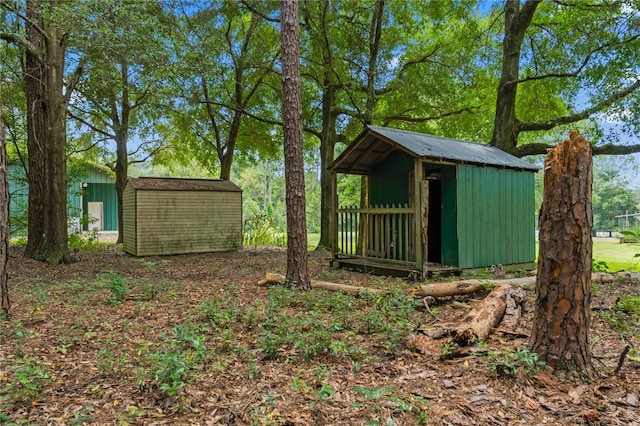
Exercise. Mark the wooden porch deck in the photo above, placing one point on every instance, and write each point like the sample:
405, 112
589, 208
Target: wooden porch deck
393, 268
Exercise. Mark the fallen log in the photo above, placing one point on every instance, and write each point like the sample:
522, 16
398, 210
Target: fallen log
271, 278
457, 288
445, 289
441, 289
477, 324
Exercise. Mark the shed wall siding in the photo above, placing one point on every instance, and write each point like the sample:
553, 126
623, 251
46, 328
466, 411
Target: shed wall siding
129, 219
389, 181
170, 222
449, 234
496, 217
105, 193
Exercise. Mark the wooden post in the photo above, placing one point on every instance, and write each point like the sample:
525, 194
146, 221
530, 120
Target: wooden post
424, 215
365, 222
333, 224
417, 208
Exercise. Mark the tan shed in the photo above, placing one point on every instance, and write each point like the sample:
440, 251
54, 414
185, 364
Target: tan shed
174, 216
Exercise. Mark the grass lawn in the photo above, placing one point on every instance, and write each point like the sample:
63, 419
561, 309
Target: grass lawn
617, 256
313, 240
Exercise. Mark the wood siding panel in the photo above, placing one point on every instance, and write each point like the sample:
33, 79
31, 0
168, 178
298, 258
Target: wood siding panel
171, 222
129, 220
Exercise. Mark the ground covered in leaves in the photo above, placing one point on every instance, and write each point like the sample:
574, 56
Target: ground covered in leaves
112, 339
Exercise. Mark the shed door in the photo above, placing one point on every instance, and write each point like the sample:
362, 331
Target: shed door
95, 215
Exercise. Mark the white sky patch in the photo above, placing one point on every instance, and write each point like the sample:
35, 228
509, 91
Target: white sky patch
394, 62
617, 117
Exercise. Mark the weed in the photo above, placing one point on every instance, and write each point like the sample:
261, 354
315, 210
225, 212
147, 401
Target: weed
189, 338
27, 380
216, 313
88, 242
299, 385
82, 416
599, 266
116, 285
445, 351
374, 393
110, 361
153, 264
169, 370
624, 314
325, 393
261, 232
508, 363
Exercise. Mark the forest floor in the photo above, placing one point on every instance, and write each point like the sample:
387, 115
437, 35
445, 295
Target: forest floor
191, 339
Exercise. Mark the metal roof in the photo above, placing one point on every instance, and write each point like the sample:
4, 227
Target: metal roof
177, 184
376, 143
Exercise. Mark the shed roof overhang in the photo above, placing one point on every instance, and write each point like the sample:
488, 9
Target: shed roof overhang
375, 144
182, 184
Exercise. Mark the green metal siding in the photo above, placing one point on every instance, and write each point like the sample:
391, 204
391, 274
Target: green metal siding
496, 217
104, 190
449, 214
389, 181
105, 193
18, 199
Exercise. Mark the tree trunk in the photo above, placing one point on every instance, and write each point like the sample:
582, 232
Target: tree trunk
121, 169
36, 129
5, 303
563, 292
297, 268
327, 146
54, 247
517, 21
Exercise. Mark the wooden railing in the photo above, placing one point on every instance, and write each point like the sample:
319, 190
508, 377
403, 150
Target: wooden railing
385, 232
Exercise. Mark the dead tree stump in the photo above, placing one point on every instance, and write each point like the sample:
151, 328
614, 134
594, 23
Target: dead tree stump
563, 289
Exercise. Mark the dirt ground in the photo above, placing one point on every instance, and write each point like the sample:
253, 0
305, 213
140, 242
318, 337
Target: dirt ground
62, 324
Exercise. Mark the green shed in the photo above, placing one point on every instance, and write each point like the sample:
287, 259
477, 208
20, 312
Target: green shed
474, 204
174, 216
92, 200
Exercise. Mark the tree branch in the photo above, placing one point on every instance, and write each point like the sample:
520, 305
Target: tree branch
90, 125
24, 17
410, 119
528, 126
606, 149
22, 42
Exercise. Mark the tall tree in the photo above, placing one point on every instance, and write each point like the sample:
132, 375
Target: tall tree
369, 60
226, 54
563, 290
5, 302
297, 266
562, 63
122, 86
47, 43
36, 132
